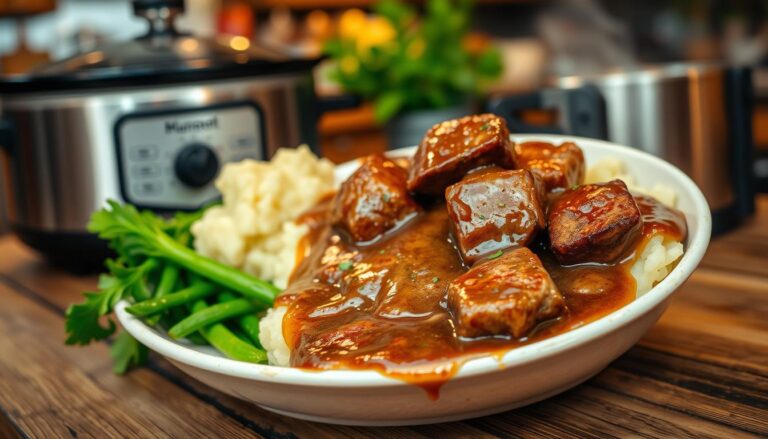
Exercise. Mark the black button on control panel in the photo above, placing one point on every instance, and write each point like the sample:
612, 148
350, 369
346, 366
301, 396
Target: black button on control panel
196, 165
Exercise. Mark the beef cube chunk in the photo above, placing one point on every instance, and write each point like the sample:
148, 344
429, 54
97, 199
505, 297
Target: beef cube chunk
508, 295
453, 147
494, 210
594, 223
560, 167
373, 199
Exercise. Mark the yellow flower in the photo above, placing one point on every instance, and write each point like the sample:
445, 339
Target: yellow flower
351, 23
378, 31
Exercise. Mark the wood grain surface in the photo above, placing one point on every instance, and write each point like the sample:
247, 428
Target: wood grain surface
702, 371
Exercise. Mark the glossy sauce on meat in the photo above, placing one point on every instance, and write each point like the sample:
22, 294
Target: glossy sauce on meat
658, 218
383, 306
452, 148
493, 211
561, 167
594, 223
378, 306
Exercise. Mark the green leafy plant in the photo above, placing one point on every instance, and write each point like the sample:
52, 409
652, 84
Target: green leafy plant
402, 61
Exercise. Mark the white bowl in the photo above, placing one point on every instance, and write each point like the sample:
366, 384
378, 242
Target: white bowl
483, 386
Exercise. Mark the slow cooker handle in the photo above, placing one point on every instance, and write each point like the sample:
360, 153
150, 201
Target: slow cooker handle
582, 111
156, 4
740, 102
337, 102
160, 14
7, 136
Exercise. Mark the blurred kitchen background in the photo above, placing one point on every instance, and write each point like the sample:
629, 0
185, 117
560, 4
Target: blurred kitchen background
518, 48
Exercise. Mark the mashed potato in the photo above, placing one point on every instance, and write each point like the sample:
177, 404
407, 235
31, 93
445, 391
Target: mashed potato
610, 168
253, 228
271, 337
660, 253
654, 262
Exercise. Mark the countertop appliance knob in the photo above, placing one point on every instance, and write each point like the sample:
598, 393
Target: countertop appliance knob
196, 165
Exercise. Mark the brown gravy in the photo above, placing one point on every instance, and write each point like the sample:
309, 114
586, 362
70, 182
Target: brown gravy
383, 306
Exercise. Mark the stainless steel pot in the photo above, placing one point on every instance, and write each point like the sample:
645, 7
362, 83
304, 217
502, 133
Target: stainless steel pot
698, 117
148, 122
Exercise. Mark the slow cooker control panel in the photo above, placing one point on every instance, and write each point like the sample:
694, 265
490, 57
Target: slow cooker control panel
169, 160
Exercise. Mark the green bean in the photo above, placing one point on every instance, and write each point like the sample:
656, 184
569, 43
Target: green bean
226, 297
220, 337
175, 315
249, 323
168, 280
224, 275
179, 313
238, 332
212, 314
189, 294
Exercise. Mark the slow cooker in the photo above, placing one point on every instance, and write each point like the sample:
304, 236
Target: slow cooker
696, 116
148, 122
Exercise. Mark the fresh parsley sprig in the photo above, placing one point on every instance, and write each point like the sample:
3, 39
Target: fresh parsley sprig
84, 320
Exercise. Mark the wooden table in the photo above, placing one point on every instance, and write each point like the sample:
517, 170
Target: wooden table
701, 371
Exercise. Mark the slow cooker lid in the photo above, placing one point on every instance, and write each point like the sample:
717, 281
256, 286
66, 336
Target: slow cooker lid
162, 56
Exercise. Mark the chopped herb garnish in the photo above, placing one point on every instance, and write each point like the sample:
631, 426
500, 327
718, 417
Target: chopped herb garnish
482, 217
385, 197
485, 127
346, 265
435, 280
495, 255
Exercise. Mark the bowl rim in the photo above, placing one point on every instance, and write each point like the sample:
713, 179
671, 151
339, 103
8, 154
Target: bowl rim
696, 246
